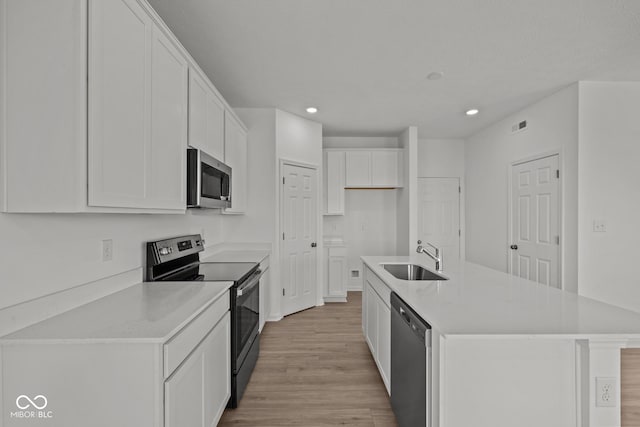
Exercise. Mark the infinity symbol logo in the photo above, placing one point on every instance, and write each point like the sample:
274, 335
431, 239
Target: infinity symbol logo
33, 403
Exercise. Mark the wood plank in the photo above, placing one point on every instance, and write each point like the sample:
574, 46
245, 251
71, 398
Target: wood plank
315, 369
630, 387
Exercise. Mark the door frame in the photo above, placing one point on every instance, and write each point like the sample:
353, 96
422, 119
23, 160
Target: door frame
560, 209
320, 249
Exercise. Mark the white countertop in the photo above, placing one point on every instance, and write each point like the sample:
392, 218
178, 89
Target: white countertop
479, 301
238, 256
147, 312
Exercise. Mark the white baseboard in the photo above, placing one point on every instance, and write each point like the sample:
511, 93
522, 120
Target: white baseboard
335, 299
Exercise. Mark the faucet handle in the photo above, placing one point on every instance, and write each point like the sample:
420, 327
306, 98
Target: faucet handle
419, 242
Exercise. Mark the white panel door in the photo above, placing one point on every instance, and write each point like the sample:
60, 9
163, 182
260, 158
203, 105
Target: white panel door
299, 225
439, 214
119, 103
166, 173
535, 221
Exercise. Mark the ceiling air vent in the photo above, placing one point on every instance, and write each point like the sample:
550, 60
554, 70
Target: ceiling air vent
520, 126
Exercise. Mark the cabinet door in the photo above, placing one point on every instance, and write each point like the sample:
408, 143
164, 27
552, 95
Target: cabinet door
197, 392
167, 175
183, 393
358, 169
217, 372
372, 320
335, 182
119, 103
236, 156
384, 343
384, 168
206, 117
336, 275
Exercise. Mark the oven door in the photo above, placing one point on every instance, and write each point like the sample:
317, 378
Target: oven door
246, 316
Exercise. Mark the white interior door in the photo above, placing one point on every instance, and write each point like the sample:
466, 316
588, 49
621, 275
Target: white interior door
439, 214
299, 226
535, 220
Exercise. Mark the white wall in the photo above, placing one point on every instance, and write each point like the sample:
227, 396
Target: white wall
258, 224
274, 135
609, 174
552, 125
440, 158
444, 158
45, 254
407, 197
367, 227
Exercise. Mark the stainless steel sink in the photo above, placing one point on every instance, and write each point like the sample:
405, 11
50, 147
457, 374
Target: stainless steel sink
411, 272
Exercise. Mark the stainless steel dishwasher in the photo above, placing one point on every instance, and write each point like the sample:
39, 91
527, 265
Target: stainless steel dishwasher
410, 365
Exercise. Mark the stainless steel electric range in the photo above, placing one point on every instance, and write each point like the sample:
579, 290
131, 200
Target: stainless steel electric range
178, 259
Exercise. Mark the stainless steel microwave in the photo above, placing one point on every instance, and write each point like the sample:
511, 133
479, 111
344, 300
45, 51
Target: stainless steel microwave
208, 181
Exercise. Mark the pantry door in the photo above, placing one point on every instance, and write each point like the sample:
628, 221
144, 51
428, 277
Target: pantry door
299, 228
439, 215
535, 219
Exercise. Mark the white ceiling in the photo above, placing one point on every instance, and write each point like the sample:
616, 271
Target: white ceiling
364, 63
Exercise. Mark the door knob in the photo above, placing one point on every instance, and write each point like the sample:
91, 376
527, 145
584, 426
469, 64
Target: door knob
514, 247
314, 244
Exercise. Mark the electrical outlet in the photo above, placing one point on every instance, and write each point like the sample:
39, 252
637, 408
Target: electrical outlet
606, 391
107, 250
599, 226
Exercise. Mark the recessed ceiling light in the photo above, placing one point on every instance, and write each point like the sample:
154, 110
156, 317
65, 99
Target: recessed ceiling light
436, 75
312, 110
472, 112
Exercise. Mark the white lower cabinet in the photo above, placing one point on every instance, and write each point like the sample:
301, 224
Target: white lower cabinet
376, 324
197, 392
179, 381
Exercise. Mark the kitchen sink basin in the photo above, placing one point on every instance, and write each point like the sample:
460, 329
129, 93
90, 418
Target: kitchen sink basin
411, 272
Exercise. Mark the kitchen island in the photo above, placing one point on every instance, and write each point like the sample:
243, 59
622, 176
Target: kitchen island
505, 351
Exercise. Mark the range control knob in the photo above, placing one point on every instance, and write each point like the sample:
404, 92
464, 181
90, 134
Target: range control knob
165, 251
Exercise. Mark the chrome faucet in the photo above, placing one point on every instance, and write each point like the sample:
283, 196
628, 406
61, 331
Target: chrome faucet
437, 258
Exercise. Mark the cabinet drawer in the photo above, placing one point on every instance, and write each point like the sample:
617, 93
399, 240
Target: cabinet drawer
179, 347
378, 285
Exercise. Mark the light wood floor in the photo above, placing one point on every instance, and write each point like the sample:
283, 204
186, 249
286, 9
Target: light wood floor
315, 369
630, 387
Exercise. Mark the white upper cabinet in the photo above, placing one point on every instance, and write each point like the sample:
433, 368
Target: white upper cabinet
334, 169
119, 103
167, 156
384, 168
358, 169
104, 127
235, 143
206, 117
379, 168
137, 110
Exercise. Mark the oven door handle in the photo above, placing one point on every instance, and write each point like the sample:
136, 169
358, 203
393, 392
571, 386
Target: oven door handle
250, 284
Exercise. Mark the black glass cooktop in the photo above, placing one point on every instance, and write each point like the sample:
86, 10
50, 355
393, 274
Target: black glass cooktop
223, 271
